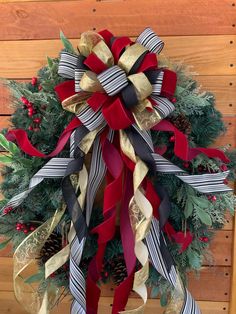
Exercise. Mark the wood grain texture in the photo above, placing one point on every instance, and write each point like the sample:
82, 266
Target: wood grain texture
223, 87
22, 21
10, 306
233, 277
209, 55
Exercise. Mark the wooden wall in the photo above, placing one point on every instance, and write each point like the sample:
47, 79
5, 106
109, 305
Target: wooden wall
201, 33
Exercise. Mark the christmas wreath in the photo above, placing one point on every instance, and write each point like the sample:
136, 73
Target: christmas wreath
107, 176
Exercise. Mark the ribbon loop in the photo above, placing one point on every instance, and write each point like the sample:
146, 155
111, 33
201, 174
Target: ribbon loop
113, 80
150, 40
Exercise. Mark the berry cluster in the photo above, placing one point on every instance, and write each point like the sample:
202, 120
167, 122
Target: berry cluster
26, 228
7, 210
204, 239
31, 109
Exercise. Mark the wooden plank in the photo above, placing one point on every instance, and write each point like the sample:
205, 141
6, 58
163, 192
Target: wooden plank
10, 306
203, 288
213, 284
209, 55
4, 122
229, 220
42, 20
230, 135
222, 86
221, 248
224, 89
233, 276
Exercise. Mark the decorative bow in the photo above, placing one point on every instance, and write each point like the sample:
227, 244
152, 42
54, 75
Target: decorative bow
119, 78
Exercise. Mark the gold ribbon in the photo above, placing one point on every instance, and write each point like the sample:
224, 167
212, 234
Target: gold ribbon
103, 52
145, 115
176, 301
75, 102
87, 41
90, 83
142, 85
140, 211
130, 56
25, 260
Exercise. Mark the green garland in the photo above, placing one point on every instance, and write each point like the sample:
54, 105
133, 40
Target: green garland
193, 108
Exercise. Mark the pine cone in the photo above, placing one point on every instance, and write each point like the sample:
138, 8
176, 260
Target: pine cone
182, 123
52, 246
118, 271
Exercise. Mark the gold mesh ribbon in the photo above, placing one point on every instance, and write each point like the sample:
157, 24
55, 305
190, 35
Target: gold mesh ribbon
25, 261
177, 298
140, 211
145, 115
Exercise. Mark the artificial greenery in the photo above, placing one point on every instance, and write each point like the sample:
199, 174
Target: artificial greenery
44, 123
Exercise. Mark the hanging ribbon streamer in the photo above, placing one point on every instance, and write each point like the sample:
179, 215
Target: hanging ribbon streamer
25, 257
115, 84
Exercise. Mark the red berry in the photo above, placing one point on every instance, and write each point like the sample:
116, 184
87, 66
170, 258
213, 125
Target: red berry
174, 100
37, 120
209, 197
24, 100
30, 128
5, 211
30, 112
23, 226
36, 129
32, 228
18, 224
172, 138
186, 164
214, 198
226, 181
29, 105
34, 81
223, 167
52, 275
18, 228
40, 87
204, 239
25, 231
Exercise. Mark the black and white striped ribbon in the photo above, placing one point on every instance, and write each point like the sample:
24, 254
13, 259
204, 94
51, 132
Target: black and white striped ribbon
155, 77
113, 80
54, 168
91, 119
153, 243
68, 63
72, 66
203, 183
150, 40
96, 175
163, 106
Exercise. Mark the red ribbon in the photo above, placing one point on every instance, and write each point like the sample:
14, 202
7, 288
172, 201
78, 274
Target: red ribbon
106, 230
123, 290
181, 148
21, 137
